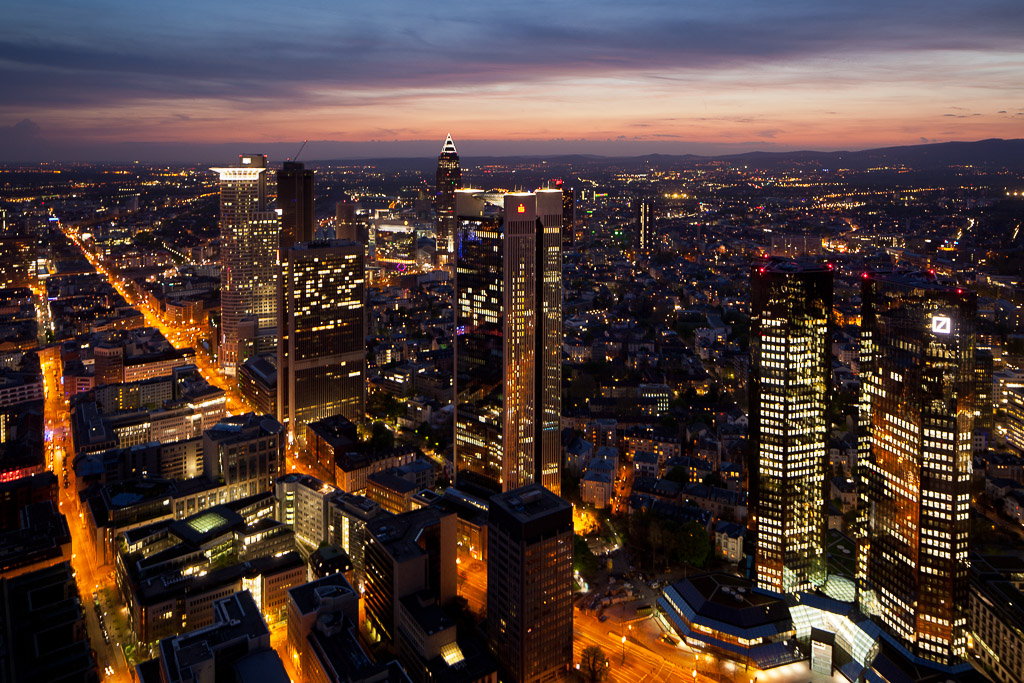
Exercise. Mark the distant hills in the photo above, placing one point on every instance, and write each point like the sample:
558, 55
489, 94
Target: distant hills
992, 153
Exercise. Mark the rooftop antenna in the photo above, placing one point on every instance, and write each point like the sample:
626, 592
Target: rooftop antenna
296, 157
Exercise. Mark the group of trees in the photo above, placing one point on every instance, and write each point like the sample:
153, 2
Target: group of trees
658, 543
583, 559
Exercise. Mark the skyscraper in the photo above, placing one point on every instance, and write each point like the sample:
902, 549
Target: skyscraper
508, 301
295, 201
568, 216
17, 252
321, 355
249, 247
449, 177
529, 583
644, 222
917, 369
790, 382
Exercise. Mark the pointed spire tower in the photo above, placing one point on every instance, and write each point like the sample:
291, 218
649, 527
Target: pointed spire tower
449, 179
449, 147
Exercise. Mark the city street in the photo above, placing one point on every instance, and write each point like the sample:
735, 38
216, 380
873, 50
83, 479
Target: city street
472, 583
90, 575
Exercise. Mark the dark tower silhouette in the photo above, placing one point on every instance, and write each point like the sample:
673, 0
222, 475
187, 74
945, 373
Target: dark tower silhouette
295, 200
449, 177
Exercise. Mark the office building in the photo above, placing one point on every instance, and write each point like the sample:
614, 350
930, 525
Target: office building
995, 616
449, 178
790, 382
295, 204
246, 452
529, 583
349, 515
984, 411
248, 255
321, 357
644, 224
508, 293
43, 628
303, 503
405, 554
17, 253
235, 647
917, 369
347, 225
323, 637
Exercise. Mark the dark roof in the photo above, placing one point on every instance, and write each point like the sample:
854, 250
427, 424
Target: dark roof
731, 600
305, 596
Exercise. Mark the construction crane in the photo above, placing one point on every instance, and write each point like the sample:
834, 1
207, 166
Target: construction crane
296, 158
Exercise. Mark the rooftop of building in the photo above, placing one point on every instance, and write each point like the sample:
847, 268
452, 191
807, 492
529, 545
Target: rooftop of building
262, 666
788, 266
206, 525
732, 601
422, 607
308, 596
392, 482
157, 589
399, 534
529, 503
346, 658
262, 368
240, 428
235, 617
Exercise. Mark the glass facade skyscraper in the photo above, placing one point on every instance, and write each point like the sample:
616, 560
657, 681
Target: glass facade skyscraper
321, 357
790, 385
508, 301
248, 254
917, 368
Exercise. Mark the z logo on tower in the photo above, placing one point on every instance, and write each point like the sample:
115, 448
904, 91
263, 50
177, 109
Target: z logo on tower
940, 324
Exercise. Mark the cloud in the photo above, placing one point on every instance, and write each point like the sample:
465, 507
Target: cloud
21, 141
253, 51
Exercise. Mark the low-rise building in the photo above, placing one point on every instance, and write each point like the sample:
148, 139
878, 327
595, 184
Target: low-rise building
729, 539
729, 617
234, 648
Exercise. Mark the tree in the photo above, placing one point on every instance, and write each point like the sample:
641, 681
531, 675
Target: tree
714, 479
381, 438
679, 475
593, 664
694, 544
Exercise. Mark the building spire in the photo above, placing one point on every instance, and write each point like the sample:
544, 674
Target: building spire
449, 146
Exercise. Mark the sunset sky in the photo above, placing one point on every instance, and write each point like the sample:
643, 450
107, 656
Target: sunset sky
97, 79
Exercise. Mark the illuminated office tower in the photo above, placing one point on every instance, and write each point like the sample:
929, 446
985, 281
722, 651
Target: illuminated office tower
790, 383
644, 224
321, 357
295, 201
17, 252
248, 255
917, 373
449, 177
508, 308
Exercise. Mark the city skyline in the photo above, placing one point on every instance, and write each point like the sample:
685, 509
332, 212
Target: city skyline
599, 79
